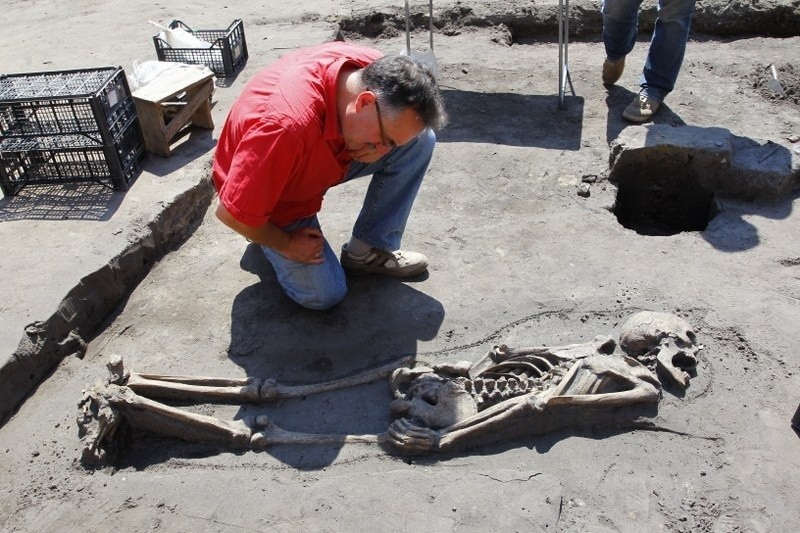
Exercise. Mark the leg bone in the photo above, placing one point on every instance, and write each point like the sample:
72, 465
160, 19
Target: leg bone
245, 389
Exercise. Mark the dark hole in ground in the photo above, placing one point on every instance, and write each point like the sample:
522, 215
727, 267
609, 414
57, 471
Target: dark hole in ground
662, 203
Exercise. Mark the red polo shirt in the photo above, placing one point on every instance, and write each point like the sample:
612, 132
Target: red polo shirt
281, 148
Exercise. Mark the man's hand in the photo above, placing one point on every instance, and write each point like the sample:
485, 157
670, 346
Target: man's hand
305, 246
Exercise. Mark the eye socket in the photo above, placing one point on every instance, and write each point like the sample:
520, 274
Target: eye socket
430, 398
683, 361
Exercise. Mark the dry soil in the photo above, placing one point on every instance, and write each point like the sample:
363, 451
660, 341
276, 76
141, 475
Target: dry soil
517, 256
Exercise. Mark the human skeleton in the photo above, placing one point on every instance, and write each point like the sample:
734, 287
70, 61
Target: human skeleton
438, 408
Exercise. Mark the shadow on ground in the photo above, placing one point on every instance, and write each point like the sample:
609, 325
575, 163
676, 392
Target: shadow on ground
71, 201
380, 320
497, 118
730, 231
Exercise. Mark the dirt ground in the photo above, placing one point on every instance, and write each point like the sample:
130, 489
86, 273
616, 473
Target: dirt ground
517, 257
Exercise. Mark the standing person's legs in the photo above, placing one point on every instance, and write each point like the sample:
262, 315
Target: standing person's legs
667, 47
620, 20
312, 286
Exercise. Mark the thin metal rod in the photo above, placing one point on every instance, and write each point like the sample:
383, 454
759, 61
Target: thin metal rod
430, 22
564, 78
408, 30
561, 52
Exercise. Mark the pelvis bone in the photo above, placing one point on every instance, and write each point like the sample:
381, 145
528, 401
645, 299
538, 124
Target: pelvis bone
509, 392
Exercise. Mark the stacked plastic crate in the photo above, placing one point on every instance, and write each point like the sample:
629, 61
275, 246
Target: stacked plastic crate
68, 126
226, 54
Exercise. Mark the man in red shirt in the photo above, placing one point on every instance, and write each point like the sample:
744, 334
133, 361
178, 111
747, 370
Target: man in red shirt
316, 118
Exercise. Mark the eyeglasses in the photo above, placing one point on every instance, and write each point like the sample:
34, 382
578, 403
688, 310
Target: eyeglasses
384, 141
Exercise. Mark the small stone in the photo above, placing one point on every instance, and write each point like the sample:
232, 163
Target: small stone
502, 35
583, 190
793, 138
589, 178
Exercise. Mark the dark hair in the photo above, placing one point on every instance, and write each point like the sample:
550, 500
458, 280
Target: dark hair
401, 82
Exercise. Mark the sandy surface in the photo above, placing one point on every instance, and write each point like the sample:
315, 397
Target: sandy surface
517, 257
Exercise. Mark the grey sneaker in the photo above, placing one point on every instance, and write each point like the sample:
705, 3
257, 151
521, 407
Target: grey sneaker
642, 108
612, 70
399, 263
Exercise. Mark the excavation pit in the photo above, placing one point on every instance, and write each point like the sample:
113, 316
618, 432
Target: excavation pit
672, 179
657, 200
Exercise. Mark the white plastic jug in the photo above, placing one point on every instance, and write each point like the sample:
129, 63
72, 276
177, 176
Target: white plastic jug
180, 38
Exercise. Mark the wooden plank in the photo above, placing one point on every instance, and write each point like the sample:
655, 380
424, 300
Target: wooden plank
196, 99
171, 82
151, 120
158, 134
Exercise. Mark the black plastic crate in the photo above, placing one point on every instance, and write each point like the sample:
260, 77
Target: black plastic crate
95, 102
226, 56
68, 126
71, 158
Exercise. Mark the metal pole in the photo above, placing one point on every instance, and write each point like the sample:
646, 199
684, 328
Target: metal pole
430, 22
561, 52
408, 30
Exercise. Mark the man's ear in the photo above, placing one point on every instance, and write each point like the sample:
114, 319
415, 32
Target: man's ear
365, 99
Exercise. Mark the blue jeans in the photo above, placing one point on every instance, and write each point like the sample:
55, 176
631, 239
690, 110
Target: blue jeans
396, 179
667, 47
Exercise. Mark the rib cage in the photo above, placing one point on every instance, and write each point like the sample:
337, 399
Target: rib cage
514, 375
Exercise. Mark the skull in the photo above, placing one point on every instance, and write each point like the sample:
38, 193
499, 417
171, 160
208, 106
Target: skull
645, 330
668, 337
436, 402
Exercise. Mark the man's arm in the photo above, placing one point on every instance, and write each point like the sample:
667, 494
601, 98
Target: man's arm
303, 245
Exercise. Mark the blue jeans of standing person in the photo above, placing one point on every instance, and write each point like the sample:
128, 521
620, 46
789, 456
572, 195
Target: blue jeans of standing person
396, 179
667, 47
